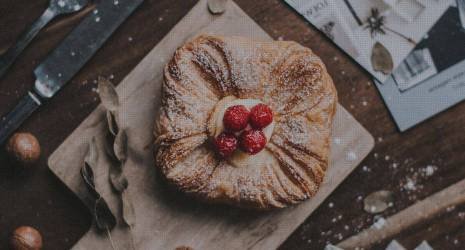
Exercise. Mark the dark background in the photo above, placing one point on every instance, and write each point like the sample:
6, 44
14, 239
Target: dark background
35, 197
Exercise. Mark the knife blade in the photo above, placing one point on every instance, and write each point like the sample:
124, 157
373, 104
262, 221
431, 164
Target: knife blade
62, 64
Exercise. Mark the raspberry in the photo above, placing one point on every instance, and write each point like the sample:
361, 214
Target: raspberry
225, 143
261, 116
252, 141
236, 118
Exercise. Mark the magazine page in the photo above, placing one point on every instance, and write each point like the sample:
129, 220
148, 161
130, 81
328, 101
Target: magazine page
432, 77
378, 34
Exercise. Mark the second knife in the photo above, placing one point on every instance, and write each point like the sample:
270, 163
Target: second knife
68, 58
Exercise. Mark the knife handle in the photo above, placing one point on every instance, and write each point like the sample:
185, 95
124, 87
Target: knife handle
9, 123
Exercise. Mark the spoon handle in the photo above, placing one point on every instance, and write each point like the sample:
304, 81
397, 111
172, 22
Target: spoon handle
7, 59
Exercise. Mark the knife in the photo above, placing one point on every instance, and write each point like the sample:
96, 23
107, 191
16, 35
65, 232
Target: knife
68, 58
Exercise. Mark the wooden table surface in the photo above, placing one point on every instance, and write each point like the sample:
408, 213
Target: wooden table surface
35, 197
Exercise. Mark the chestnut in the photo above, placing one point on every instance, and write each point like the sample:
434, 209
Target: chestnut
24, 148
26, 238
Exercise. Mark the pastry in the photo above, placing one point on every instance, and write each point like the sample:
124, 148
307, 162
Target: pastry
245, 122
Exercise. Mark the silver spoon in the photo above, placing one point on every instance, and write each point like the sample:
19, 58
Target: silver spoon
55, 8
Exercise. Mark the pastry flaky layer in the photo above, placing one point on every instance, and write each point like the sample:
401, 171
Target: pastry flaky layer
289, 78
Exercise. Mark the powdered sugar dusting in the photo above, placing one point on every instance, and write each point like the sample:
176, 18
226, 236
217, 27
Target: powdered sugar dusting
276, 75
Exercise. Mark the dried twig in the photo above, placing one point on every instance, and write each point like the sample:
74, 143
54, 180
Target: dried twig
104, 218
117, 152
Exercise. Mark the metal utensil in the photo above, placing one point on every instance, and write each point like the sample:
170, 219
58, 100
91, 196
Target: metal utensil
68, 58
55, 8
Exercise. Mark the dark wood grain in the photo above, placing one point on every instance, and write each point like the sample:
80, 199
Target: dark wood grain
35, 197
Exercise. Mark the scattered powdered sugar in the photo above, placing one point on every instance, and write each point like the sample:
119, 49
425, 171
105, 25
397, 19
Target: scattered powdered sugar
450, 209
380, 222
296, 131
461, 215
351, 156
332, 247
429, 170
410, 185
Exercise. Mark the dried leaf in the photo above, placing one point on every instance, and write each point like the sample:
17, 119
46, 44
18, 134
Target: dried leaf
112, 121
117, 150
108, 94
91, 157
129, 214
88, 176
217, 6
381, 59
87, 173
104, 218
118, 180
379, 201
120, 146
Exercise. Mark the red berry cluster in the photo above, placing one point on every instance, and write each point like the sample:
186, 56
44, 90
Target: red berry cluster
244, 129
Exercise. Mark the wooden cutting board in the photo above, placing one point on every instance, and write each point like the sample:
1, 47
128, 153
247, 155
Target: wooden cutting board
166, 219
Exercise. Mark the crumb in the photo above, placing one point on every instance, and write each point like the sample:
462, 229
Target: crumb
410, 185
379, 223
351, 156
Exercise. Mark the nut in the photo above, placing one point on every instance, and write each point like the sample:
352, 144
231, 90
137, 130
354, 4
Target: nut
24, 148
26, 238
